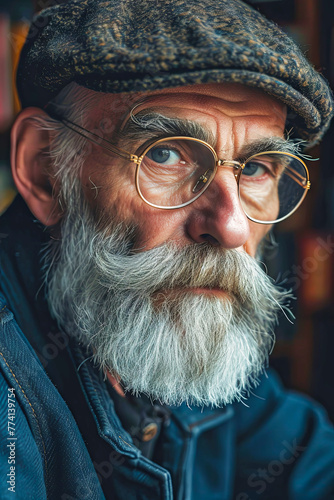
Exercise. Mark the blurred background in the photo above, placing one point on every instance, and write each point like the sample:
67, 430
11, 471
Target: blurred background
302, 259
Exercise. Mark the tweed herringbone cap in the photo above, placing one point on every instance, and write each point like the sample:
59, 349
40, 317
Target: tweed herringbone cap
126, 46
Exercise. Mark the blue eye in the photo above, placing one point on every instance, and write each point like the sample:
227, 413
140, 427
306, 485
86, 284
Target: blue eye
163, 155
254, 169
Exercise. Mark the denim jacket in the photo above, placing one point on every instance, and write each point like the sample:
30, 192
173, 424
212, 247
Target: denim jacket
61, 438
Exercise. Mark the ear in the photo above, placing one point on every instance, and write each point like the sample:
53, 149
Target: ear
31, 166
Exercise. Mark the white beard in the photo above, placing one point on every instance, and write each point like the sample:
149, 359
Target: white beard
138, 316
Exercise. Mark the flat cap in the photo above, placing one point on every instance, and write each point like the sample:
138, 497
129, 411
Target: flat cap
129, 46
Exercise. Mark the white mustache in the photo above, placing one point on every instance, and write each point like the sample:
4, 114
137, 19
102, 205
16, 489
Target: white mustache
193, 266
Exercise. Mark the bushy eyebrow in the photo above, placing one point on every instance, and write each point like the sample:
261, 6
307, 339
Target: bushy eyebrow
269, 144
149, 125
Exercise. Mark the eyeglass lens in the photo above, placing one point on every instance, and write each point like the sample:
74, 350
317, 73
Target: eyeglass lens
175, 171
271, 186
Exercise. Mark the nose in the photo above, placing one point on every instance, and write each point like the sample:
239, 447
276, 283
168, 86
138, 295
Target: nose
217, 216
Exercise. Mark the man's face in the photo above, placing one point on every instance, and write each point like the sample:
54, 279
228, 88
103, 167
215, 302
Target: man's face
176, 307
235, 116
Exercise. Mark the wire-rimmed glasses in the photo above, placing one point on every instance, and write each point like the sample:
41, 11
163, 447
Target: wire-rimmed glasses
173, 172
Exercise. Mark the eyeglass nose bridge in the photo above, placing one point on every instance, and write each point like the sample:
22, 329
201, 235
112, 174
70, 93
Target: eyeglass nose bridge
232, 163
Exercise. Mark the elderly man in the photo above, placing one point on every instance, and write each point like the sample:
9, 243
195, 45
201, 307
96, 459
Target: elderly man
152, 159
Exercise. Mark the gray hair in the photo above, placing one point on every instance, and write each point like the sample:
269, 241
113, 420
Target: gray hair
66, 150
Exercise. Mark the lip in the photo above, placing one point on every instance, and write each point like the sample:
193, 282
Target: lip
217, 292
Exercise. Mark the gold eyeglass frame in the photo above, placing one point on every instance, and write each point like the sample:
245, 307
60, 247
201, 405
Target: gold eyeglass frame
238, 166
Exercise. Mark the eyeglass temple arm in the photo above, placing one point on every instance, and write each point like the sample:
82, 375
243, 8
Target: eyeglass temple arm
96, 139
300, 179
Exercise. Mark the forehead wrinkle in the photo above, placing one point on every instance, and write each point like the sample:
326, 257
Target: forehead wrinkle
230, 138
234, 103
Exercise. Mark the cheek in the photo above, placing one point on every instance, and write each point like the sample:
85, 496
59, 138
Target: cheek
111, 192
257, 233
109, 187
156, 226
